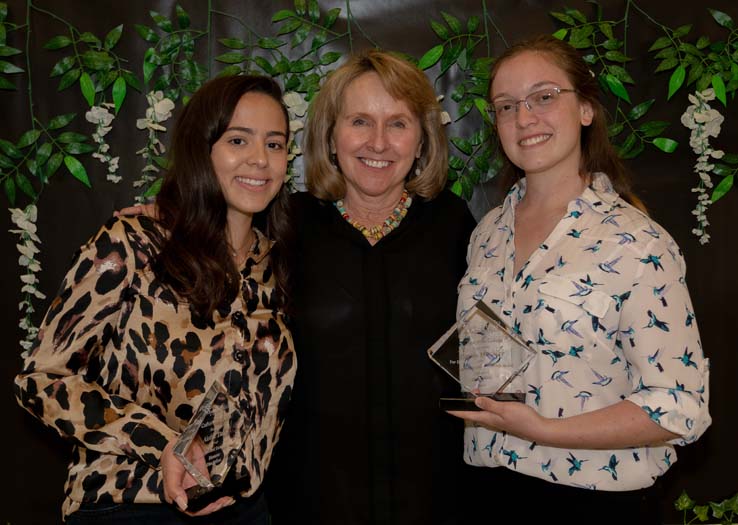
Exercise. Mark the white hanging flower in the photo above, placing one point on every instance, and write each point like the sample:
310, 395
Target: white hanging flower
445, 117
704, 123
296, 104
25, 222
103, 118
159, 110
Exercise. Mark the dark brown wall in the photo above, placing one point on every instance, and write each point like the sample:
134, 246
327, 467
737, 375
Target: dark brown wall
69, 213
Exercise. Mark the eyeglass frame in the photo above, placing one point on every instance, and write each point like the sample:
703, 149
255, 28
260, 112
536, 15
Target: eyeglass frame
516, 103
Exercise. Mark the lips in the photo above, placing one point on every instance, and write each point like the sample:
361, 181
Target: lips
375, 163
536, 139
248, 181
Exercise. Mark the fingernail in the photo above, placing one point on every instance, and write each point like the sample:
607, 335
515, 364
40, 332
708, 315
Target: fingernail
181, 502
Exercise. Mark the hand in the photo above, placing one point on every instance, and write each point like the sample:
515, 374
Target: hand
177, 480
139, 209
509, 416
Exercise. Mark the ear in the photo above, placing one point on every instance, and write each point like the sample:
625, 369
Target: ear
586, 113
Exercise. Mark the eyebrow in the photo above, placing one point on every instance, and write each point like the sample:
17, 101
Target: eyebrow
533, 88
250, 131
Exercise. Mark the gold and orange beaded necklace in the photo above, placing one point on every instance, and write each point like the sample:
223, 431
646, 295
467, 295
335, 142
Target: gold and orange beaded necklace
380, 230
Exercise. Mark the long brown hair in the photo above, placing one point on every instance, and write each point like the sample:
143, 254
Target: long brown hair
195, 258
598, 154
404, 82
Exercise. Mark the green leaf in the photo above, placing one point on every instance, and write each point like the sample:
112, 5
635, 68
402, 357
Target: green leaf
6, 84
154, 188
97, 60
231, 58
113, 37
722, 170
68, 78
430, 57
148, 71
612, 44
6, 163
91, 39
300, 7
54, 163
440, 30
282, 14
452, 22
146, 33
617, 56
730, 158
270, 43
58, 42
302, 66
719, 86
720, 190
628, 144
564, 18
634, 152
25, 185
653, 128
28, 138
676, 81
616, 87
482, 107
614, 129
561, 33
78, 148
703, 42
638, 111
77, 170
3, 11
457, 187
665, 144
329, 57
667, 64
119, 93
472, 24
289, 26
682, 31
621, 74
131, 80
70, 136
183, 19
660, 43
10, 150
576, 14
9, 187
8, 68
264, 64
43, 153
667, 52
462, 144
722, 19
162, 21
314, 10
61, 67
6, 51
606, 29
87, 88
233, 43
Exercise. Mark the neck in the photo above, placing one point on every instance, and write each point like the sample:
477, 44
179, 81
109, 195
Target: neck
547, 191
370, 210
239, 234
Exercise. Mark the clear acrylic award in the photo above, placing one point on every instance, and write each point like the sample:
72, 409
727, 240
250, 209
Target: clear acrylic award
212, 440
484, 356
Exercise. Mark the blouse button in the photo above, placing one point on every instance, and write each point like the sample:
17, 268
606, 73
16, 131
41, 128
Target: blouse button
238, 316
238, 356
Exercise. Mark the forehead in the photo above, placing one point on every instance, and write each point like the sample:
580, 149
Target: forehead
255, 109
367, 94
523, 72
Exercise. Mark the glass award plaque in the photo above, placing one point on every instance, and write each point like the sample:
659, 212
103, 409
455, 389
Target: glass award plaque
212, 440
484, 356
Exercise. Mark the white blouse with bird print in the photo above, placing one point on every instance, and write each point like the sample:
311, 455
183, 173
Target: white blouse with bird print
605, 304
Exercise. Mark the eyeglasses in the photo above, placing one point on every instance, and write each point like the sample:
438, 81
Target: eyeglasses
538, 102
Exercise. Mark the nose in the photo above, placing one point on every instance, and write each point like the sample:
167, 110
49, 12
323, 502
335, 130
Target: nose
378, 139
523, 114
257, 157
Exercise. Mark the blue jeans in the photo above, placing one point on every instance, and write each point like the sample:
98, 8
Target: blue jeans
246, 511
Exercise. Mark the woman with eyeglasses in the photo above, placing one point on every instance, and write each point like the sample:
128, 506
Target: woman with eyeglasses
573, 263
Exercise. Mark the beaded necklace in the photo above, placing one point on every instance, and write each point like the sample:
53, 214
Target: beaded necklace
390, 223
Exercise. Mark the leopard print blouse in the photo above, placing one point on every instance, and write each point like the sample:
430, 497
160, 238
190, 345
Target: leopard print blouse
121, 363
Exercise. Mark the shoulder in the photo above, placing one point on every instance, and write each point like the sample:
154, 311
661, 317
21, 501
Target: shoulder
132, 235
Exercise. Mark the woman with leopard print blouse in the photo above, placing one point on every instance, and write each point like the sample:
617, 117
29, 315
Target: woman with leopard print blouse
152, 313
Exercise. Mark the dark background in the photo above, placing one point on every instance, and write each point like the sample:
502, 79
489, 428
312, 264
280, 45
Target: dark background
69, 213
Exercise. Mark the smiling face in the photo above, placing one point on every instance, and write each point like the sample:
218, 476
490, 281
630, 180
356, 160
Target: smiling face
250, 157
376, 140
547, 142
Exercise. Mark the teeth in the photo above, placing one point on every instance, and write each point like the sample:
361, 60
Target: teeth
252, 182
376, 163
534, 140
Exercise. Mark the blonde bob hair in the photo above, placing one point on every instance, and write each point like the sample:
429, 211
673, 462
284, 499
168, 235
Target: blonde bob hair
404, 82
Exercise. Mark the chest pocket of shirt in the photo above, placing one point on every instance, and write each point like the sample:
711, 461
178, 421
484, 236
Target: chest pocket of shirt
583, 315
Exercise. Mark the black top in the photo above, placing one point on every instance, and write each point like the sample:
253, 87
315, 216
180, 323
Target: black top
365, 442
